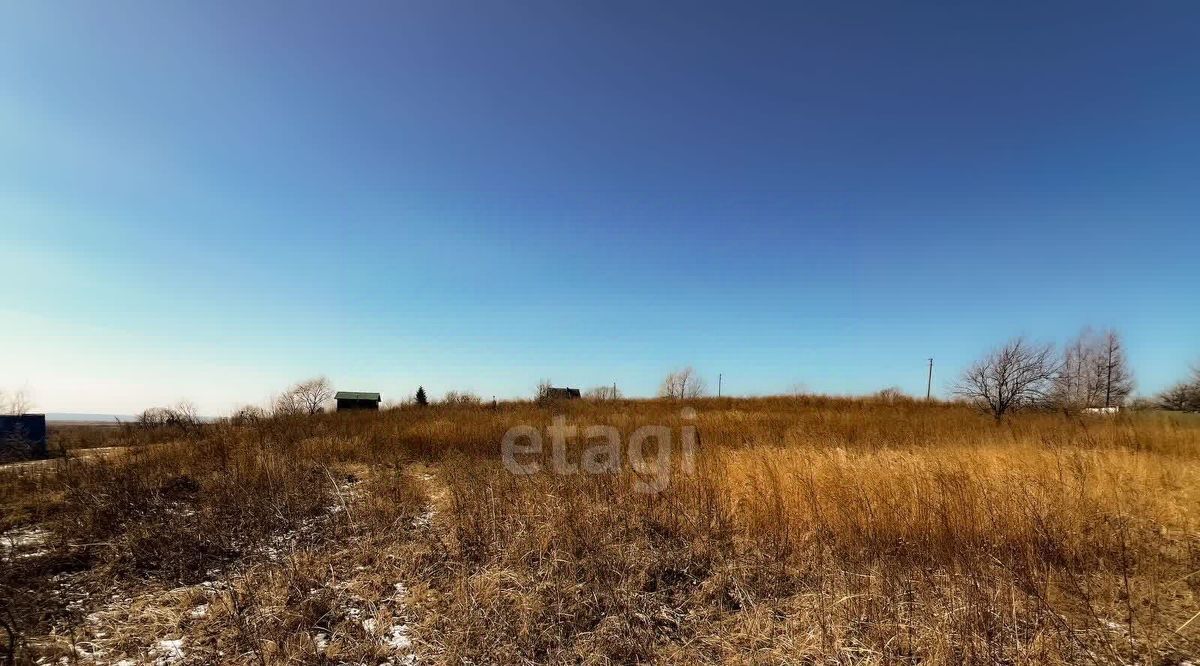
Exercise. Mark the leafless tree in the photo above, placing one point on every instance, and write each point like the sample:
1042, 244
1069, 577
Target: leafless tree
1184, 396
285, 404
248, 415
683, 383
1016, 375
1114, 370
543, 391
152, 417
1077, 385
601, 393
461, 398
307, 397
16, 403
181, 415
1094, 372
891, 394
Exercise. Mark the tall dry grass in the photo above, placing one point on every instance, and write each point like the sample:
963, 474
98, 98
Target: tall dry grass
819, 530
811, 530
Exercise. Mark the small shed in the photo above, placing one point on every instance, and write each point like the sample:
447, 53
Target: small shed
350, 400
23, 436
562, 393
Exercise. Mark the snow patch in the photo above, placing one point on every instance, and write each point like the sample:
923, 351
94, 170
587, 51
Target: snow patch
168, 651
30, 536
425, 519
397, 637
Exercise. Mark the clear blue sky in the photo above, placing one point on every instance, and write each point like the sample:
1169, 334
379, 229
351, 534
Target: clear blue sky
209, 200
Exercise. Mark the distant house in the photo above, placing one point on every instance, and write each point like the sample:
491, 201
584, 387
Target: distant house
349, 400
23, 436
562, 393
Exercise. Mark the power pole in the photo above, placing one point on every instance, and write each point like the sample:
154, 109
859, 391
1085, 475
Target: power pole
1108, 381
929, 383
719, 378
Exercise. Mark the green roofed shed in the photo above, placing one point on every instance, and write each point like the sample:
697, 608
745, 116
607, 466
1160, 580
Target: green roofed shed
347, 400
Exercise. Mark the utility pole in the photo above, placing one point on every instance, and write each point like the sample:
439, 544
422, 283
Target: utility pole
719, 378
929, 383
1108, 382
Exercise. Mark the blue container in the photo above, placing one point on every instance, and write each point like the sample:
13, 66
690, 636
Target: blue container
23, 436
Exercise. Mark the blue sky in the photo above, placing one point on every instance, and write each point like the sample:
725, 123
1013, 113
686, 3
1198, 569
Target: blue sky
210, 200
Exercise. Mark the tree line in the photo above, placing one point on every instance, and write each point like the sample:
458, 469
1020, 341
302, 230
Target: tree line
1091, 372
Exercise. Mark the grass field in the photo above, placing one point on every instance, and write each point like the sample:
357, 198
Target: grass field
800, 530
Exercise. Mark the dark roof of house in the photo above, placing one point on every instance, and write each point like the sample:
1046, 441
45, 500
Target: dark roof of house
356, 395
557, 392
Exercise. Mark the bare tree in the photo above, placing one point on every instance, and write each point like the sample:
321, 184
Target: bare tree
1184, 396
285, 404
1014, 376
1094, 372
891, 395
152, 417
306, 397
248, 415
16, 404
461, 398
543, 391
683, 383
1077, 385
601, 393
181, 415
1117, 377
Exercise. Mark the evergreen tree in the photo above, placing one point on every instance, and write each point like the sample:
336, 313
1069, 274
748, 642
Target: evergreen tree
421, 399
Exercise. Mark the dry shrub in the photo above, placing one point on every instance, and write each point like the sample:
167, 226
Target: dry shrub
179, 510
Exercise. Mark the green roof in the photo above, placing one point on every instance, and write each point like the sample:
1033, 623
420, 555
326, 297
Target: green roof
356, 395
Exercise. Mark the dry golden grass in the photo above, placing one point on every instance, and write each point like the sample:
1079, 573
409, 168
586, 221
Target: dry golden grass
811, 530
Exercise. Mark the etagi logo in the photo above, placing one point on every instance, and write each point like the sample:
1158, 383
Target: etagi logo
649, 451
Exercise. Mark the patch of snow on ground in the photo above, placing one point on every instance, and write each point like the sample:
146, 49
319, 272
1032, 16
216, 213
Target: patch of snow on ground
168, 651
24, 538
425, 519
398, 637
16, 542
